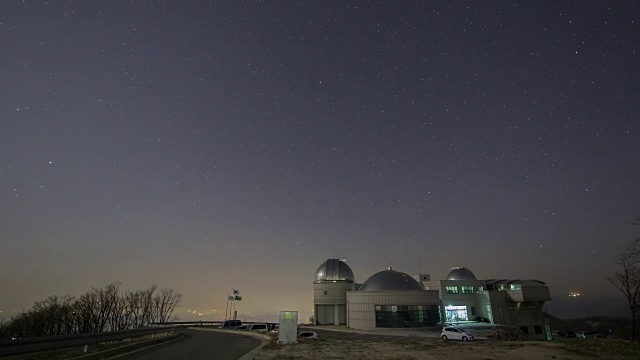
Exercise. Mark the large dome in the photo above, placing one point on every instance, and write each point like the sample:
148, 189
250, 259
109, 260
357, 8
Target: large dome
334, 270
390, 280
461, 273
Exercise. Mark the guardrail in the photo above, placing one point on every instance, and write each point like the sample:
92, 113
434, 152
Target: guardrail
208, 323
188, 323
23, 346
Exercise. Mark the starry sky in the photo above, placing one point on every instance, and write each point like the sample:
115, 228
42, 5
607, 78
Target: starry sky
205, 145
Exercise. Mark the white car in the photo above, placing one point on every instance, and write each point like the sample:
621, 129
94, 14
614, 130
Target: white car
308, 335
261, 328
452, 333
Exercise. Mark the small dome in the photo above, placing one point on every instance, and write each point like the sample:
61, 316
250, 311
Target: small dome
390, 280
461, 273
334, 270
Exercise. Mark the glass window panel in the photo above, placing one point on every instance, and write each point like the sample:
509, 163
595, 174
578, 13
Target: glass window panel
400, 316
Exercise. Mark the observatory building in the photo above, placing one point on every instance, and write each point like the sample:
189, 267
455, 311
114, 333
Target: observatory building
391, 298
333, 279
516, 303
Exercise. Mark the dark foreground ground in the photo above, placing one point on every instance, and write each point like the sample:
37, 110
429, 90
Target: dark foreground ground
196, 345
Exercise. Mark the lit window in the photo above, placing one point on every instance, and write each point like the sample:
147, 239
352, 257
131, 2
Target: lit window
467, 289
452, 289
515, 287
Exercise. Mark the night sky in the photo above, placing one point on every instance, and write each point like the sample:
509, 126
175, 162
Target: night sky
208, 145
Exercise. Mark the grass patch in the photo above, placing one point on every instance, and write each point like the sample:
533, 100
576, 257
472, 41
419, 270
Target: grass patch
603, 347
419, 346
273, 346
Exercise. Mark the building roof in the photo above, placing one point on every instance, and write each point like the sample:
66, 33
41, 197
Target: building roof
498, 282
334, 270
390, 280
460, 273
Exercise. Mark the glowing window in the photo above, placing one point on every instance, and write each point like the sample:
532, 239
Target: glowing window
452, 289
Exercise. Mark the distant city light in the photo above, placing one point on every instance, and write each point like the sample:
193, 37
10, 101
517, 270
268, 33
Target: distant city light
574, 294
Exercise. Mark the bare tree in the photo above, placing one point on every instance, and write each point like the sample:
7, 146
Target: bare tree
98, 310
627, 279
107, 299
147, 304
165, 303
86, 313
134, 301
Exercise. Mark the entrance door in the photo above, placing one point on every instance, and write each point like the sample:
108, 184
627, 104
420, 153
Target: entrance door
456, 313
325, 315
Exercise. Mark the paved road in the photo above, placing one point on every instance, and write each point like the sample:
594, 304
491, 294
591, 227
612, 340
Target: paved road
199, 345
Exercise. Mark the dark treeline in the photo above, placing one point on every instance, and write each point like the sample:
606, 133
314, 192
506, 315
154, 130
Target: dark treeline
104, 309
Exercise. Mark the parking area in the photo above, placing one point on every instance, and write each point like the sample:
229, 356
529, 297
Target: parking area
400, 336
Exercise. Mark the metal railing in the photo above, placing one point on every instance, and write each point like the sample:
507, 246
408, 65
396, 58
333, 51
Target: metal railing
209, 323
23, 346
188, 323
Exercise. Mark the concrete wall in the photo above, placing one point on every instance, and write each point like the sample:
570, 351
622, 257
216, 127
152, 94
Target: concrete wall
522, 315
336, 292
329, 302
361, 313
530, 293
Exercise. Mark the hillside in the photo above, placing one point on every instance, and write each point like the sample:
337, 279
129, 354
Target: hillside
620, 327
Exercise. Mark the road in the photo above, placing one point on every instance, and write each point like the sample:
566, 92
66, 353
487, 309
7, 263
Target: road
197, 345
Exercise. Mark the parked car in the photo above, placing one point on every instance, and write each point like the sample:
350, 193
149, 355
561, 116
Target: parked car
262, 328
453, 333
308, 335
586, 334
566, 333
231, 324
243, 327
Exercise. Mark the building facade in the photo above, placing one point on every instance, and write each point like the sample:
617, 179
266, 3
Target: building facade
391, 298
518, 303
